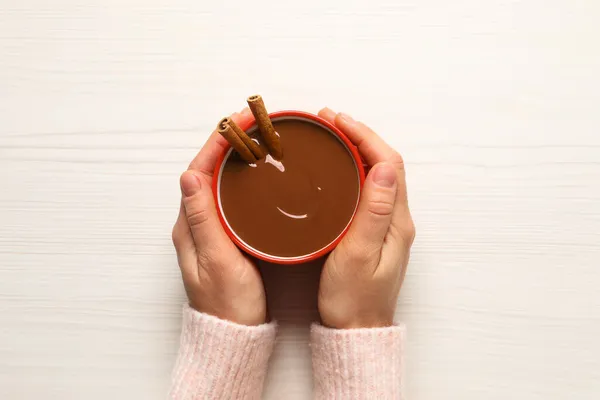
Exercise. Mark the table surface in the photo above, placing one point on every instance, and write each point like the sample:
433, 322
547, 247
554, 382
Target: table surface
494, 105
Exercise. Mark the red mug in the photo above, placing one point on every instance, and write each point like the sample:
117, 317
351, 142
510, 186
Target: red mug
290, 114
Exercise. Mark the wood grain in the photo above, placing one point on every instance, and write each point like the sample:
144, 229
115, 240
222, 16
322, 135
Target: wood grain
493, 104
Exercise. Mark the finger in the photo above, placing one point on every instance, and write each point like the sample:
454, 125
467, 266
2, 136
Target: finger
328, 115
374, 214
207, 157
373, 148
201, 215
184, 245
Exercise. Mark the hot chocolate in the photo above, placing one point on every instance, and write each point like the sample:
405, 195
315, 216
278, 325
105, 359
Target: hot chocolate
295, 206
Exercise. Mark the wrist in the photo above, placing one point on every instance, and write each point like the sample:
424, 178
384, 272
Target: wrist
354, 320
248, 316
359, 324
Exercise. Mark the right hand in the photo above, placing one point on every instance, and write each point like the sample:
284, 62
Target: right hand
361, 278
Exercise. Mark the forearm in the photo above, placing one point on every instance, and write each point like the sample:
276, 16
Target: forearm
358, 364
220, 359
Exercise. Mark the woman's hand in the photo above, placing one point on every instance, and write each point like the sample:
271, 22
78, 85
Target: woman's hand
362, 277
219, 280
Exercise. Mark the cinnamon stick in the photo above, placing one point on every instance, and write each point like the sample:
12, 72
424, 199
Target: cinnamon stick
225, 129
250, 144
257, 106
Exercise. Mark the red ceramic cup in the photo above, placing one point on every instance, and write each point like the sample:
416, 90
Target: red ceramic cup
217, 178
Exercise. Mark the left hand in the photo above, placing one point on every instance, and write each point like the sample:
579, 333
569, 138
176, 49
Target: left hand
219, 280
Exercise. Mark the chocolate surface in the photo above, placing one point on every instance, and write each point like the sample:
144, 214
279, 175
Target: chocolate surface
299, 205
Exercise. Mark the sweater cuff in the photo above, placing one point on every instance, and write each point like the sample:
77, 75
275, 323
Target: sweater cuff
220, 359
358, 363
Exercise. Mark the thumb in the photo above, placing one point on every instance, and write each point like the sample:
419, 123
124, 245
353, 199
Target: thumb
200, 211
374, 214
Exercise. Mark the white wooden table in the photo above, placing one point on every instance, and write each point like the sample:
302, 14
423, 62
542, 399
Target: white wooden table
494, 104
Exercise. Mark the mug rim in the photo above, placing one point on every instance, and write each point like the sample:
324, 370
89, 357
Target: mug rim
277, 259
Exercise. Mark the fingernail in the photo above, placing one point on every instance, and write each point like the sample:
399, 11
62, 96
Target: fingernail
190, 183
384, 175
328, 110
346, 118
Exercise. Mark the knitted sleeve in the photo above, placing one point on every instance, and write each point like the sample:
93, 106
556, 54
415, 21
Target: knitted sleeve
355, 364
220, 359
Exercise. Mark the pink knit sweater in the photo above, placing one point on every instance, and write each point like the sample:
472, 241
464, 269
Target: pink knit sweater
222, 360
